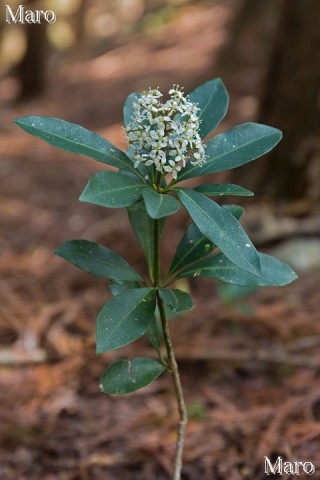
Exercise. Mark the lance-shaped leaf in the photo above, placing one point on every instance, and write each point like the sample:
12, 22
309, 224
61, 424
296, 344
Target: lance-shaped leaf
212, 99
143, 226
117, 286
75, 139
235, 210
194, 245
125, 376
216, 189
124, 318
112, 189
222, 229
273, 271
175, 299
159, 205
98, 260
154, 334
128, 110
237, 146
231, 292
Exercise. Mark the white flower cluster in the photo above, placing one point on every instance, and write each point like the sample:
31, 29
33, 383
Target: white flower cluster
166, 134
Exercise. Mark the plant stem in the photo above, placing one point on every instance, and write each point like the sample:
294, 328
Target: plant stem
173, 368
172, 363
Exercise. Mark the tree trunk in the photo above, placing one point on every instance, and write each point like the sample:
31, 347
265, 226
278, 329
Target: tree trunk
291, 103
80, 17
31, 71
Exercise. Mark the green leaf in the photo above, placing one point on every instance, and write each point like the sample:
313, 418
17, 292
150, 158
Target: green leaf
194, 245
75, 139
235, 210
230, 293
143, 226
159, 205
154, 334
128, 107
273, 272
175, 299
125, 376
125, 318
222, 229
212, 99
237, 146
112, 189
118, 286
216, 189
98, 260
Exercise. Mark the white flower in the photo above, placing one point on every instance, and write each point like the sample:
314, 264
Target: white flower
165, 135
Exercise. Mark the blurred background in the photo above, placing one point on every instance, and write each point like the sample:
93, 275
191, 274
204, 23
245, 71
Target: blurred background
251, 371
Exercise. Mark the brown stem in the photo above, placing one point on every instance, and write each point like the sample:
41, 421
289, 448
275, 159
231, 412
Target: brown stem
172, 363
173, 368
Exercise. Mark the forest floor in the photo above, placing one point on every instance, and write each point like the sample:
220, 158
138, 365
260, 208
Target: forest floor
250, 367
